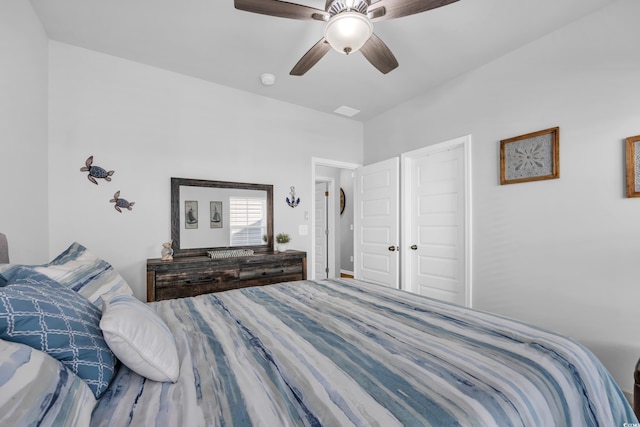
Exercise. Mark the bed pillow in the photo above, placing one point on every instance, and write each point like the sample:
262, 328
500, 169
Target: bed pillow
139, 338
3, 268
80, 270
39, 312
36, 389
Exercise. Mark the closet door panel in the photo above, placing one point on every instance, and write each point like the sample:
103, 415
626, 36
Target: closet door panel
377, 228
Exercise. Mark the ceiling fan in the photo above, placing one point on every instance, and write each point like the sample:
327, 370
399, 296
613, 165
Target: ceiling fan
349, 26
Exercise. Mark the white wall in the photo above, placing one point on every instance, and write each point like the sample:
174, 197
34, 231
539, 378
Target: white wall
563, 254
23, 130
149, 125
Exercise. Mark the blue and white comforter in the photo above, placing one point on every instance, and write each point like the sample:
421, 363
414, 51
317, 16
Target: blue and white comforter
342, 352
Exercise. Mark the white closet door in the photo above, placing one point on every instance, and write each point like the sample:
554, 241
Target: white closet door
377, 223
436, 209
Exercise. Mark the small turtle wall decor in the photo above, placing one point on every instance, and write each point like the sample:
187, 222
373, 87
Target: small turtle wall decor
95, 171
121, 203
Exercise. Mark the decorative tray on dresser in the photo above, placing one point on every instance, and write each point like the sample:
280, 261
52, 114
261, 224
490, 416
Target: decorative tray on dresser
195, 275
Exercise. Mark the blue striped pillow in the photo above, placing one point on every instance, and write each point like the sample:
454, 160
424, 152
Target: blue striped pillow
80, 270
39, 312
36, 389
139, 338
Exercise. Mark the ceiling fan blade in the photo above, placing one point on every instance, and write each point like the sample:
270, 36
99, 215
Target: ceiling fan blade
311, 58
282, 9
389, 9
379, 54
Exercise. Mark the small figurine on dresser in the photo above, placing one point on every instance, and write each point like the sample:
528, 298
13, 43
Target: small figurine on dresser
167, 251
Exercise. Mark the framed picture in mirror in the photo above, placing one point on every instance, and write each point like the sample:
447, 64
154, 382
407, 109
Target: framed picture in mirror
190, 214
215, 214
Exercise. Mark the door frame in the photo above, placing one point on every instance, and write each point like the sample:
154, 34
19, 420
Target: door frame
405, 192
317, 161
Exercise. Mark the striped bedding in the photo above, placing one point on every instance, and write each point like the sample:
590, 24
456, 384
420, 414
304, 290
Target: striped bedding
344, 352
37, 390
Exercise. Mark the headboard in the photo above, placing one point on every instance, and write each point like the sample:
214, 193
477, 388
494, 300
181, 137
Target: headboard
4, 249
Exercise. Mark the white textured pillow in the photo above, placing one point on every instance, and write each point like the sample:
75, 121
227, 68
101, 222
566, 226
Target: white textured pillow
139, 338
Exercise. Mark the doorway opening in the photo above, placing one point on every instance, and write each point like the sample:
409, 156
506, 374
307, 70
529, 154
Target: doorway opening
332, 240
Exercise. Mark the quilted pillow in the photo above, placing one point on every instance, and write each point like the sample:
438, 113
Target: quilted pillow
36, 389
90, 276
39, 312
139, 338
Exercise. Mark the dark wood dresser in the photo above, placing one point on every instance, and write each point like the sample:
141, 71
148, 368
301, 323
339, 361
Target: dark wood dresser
191, 276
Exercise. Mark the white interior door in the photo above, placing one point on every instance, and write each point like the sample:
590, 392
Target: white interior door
377, 223
435, 220
320, 231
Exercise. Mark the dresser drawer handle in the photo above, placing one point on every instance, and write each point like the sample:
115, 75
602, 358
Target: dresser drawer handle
264, 273
201, 280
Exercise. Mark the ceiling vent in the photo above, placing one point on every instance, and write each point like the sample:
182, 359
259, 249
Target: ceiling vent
346, 111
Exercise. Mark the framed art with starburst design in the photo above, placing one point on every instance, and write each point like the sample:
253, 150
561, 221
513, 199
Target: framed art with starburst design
531, 157
633, 166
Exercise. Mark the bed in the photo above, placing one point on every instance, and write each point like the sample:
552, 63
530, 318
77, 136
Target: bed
334, 352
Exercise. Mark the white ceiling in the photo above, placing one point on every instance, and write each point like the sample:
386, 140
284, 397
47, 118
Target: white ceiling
211, 40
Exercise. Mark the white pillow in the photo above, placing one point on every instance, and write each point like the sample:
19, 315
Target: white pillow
139, 338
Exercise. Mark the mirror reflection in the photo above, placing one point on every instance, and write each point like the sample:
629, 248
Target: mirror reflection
222, 217
208, 215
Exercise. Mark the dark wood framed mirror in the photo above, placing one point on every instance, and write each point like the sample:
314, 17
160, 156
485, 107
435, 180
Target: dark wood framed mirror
217, 215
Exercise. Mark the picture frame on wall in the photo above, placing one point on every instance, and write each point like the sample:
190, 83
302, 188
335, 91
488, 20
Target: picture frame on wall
633, 166
531, 157
215, 214
190, 214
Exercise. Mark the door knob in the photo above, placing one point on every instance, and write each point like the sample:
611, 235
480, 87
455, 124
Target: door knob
414, 247
393, 248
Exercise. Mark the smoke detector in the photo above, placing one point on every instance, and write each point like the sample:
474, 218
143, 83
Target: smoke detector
268, 79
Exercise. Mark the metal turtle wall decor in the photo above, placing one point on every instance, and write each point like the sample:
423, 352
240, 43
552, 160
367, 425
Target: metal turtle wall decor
95, 171
121, 203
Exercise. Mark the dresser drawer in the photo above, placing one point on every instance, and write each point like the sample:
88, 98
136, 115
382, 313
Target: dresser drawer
270, 274
256, 272
194, 277
188, 283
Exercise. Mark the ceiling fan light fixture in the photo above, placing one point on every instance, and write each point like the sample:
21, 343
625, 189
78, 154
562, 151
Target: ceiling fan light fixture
347, 32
